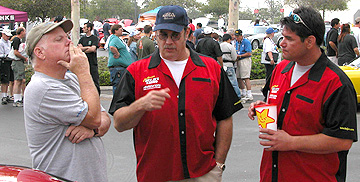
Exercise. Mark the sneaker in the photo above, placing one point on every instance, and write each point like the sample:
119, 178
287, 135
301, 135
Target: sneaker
10, 99
4, 101
18, 104
250, 97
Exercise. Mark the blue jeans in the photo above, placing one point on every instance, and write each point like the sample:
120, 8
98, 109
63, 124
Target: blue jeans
115, 75
230, 71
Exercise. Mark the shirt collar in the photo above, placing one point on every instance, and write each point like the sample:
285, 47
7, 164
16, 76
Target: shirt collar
316, 71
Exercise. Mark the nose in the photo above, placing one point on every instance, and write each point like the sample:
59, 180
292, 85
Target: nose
282, 43
169, 40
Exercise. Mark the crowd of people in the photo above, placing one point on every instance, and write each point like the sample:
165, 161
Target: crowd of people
177, 87
343, 46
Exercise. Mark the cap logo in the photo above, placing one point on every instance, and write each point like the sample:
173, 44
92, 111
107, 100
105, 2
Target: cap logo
168, 16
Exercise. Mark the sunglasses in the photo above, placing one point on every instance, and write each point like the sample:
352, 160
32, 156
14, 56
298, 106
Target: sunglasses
174, 36
297, 19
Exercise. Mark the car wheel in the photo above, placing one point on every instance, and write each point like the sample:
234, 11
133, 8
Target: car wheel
278, 43
255, 44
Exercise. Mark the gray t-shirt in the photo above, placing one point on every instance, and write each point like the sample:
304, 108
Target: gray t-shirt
50, 106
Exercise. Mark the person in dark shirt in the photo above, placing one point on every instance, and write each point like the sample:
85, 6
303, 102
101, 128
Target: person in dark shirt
88, 44
331, 40
208, 46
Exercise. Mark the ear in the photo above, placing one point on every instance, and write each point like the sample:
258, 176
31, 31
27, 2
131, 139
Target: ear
39, 52
310, 41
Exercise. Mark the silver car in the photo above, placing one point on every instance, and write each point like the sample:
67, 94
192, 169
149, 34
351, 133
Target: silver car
256, 35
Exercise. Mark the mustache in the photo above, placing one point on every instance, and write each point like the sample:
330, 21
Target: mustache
169, 47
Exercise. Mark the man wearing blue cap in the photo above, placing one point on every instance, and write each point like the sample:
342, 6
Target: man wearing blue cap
180, 105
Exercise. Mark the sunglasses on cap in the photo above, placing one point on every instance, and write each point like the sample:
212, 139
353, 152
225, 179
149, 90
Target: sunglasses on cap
297, 19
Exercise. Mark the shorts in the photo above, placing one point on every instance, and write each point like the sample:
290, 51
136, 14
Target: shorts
243, 68
19, 70
6, 71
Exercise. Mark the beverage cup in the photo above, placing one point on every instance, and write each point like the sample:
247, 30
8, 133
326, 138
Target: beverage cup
267, 116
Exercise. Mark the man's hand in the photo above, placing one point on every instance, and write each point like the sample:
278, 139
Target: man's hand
129, 116
79, 63
278, 140
251, 110
77, 134
116, 55
155, 99
105, 124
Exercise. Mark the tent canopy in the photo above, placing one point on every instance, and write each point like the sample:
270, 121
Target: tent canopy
10, 15
149, 15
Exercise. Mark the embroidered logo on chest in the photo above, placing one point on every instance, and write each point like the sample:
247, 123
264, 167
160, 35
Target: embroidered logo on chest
151, 82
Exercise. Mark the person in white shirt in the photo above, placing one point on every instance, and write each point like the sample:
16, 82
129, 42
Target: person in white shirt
229, 57
356, 31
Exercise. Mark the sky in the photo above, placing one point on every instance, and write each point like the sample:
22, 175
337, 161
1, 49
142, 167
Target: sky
344, 16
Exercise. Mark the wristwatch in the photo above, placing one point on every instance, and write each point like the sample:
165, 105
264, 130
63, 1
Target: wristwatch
220, 166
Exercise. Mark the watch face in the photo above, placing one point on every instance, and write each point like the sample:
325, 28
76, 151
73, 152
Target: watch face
223, 167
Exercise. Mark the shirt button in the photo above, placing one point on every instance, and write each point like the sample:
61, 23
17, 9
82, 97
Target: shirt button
274, 165
177, 96
181, 114
283, 110
288, 92
182, 132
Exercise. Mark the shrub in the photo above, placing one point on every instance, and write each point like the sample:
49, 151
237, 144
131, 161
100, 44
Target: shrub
257, 69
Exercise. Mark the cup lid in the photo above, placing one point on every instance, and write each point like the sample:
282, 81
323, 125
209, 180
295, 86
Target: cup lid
264, 105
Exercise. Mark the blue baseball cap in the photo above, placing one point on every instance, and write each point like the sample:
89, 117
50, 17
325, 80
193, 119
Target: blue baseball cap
270, 30
172, 18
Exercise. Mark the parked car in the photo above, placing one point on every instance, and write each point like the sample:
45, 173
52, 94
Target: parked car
353, 72
13, 173
256, 34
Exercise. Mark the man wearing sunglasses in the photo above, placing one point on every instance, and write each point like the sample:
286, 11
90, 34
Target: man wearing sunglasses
316, 106
180, 105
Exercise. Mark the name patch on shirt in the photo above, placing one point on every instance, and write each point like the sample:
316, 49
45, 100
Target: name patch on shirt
151, 83
273, 92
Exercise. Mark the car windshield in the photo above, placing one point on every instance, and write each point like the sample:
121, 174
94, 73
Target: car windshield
256, 30
355, 63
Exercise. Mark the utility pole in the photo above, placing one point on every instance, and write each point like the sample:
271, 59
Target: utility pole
75, 17
233, 14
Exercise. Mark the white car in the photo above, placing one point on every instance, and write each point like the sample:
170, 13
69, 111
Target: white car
256, 34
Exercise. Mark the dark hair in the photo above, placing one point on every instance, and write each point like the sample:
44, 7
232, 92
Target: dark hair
345, 29
89, 25
334, 22
190, 20
226, 37
312, 19
147, 29
199, 25
58, 19
115, 27
19, 30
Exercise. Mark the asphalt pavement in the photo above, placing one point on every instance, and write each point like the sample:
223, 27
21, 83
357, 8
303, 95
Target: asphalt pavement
242, 162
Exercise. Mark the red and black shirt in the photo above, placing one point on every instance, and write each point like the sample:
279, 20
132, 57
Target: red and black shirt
177, 141
323, 100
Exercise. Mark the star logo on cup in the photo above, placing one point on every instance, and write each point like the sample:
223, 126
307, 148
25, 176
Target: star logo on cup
264, 118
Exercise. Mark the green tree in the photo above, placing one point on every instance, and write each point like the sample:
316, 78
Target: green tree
271, 14
216, 7
246, 14
40, 8
186, 4
101, 9
320, 5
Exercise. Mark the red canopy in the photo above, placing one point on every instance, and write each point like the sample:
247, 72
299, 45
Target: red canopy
10, 15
